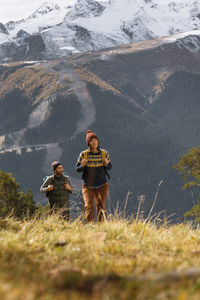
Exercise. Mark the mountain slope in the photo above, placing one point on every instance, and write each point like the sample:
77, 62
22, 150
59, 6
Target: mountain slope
141, 99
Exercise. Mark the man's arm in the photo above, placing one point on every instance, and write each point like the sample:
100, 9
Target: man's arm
68, 185
45, 186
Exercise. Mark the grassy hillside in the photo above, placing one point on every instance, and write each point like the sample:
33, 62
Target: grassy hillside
48, 258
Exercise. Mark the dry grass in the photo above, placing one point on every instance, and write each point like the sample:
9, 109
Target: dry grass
49, 258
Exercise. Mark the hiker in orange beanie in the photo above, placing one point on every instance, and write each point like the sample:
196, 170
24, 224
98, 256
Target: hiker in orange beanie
94, 164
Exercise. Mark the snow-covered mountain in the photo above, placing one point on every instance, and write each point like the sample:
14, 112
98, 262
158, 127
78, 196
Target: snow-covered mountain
87, 25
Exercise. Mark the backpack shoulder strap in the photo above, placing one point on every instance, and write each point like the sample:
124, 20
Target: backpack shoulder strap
51, 177
103, 154
85, 153
66, 178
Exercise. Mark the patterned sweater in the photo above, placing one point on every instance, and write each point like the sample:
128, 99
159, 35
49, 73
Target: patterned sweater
94, 173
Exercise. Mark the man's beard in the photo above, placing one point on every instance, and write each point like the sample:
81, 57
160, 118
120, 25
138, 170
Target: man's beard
59, 173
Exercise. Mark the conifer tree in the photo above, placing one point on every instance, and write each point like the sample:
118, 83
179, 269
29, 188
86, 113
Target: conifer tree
12, 200
189, 168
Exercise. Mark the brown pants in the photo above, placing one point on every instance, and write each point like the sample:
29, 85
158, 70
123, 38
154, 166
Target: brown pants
89, 196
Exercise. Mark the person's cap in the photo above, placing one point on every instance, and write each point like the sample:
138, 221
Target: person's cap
90, 135
55, 164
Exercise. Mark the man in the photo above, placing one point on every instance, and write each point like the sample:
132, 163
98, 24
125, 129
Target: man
57, 188
94, 164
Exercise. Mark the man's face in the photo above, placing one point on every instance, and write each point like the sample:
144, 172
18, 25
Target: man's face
93, 143
59, 170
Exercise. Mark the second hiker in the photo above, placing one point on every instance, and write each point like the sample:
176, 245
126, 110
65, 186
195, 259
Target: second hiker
94, 164
57, 188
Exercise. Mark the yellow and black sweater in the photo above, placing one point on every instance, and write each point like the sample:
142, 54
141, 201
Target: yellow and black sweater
94, 173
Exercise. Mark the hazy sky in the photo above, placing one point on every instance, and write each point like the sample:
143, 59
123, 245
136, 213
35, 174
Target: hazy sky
18, 9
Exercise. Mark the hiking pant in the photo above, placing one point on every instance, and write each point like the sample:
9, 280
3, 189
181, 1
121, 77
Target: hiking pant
89, 196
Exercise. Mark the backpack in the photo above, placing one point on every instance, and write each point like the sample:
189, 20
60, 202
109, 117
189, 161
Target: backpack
103, 155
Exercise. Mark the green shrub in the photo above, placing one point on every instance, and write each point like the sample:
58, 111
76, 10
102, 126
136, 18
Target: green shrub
12, 200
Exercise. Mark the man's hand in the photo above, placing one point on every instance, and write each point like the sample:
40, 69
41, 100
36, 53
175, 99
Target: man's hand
105, 162
68, 187
84, 162
49, 188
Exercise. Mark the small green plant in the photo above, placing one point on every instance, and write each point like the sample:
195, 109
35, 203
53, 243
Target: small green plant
189, 168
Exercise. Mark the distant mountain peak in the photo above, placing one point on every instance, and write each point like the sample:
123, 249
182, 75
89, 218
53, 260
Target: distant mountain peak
22, 34
136, 30
3, 29
45, 8
85, 9
12, 24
